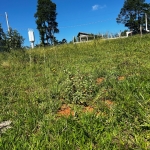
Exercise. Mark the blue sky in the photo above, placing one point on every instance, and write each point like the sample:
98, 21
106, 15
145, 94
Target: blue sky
91, 16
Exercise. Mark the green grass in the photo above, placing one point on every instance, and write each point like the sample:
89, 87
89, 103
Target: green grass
35, 84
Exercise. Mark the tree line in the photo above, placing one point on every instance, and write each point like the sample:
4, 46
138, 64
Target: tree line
132, 15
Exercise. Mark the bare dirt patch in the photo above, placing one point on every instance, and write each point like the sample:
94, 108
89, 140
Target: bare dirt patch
66, 111
121, 78
88, 109
99, 80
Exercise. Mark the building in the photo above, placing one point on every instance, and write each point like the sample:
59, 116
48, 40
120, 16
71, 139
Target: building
83, 36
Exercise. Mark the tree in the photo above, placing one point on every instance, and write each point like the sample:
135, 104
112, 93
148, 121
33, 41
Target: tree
46, 21
123, 33
132, 15
14, 39
64, 41
75, 39
10, 40
2, 34
2, 38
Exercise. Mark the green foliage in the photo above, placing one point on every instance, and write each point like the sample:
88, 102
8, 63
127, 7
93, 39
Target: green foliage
14, 40
2, 34
11, 40
64, 41
46, 21
123, 33
74, 39
78, 88
132, 14
2, 39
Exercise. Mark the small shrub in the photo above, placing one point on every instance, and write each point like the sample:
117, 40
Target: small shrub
79, 88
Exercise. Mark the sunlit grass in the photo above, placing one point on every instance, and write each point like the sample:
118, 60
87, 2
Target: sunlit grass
109, 76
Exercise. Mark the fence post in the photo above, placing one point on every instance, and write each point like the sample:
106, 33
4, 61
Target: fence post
141, 30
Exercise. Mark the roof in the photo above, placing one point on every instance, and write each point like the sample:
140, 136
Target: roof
83, 33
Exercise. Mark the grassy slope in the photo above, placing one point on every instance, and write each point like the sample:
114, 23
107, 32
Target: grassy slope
36, 83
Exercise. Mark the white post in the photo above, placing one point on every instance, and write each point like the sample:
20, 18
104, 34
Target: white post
141, 30
146, 22
31, 37
53, 40
32, 45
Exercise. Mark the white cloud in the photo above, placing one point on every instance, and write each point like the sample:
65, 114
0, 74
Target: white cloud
96, 7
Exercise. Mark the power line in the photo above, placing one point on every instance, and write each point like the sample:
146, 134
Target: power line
78, 25
81, 17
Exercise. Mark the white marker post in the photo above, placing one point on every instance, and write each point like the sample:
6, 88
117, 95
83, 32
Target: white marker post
146, 23
31, 37
141, 30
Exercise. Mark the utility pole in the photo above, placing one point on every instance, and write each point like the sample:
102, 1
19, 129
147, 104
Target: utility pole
7, 22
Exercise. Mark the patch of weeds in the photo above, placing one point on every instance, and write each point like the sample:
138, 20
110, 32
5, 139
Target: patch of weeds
79, 88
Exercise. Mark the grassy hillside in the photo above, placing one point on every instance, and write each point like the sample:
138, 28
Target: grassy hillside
77, 97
